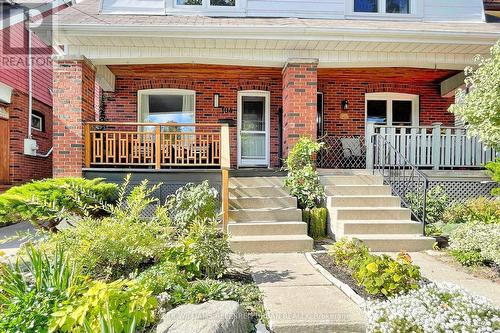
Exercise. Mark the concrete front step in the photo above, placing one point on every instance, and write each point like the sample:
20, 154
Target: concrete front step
363, 201
377, 227
262, 202
252, 215
271, 244
352, 180
369, 213
332, 190
256, 181
396, 243
257, 191
267, 228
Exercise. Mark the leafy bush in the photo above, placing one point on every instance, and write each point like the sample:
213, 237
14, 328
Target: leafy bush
302, 178
494, 170
317, 224
45, 202
436, 203
345, 251
31, 290
190, 202
480, 210
433, 308
386, 276
120, 300
474, 244
163, 277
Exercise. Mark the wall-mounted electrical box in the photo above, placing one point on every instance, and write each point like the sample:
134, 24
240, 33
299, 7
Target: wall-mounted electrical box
30, 147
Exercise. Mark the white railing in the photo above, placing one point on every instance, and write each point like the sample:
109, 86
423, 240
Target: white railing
434, 146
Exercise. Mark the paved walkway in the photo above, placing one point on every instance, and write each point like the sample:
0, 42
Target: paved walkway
298, 298
439, 271
10, 248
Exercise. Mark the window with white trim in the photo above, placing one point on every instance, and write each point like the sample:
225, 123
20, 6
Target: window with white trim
166, 106
382, 7
207, 3
392, 109
37, 121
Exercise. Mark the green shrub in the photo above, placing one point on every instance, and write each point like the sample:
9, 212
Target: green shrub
163, 277
302, 178
474, 244
347, 252
436, 203
120, 300
317, 224
494, 170
190, 202
46, 202
480, 210
382, 275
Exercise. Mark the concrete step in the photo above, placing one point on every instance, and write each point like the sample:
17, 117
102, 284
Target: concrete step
396, 243
363, 201
369, 213
257, 191
378, 227
262, 202
256, 181
271, 244
258, 215
352, 180
332, 190
267, 228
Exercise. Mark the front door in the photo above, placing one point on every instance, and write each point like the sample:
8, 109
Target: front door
253, 128
4, 149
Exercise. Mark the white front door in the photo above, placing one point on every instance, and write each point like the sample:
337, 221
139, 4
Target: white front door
253, 128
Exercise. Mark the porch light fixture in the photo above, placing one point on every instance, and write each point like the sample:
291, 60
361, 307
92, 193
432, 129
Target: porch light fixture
344, 104
216, 100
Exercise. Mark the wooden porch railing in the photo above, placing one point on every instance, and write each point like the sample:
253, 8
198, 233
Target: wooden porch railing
156, 145
434, 146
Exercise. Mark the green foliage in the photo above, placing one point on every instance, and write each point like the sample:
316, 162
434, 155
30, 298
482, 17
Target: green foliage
119, 301
436, 203
31, 289
479, 210
479, 108
494, 170
302, 178
317, 224
46, 202
474, 244
346, 252
163, 277
386, 276
190, 202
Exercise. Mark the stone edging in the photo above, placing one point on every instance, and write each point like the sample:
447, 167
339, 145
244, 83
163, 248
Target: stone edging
333, 280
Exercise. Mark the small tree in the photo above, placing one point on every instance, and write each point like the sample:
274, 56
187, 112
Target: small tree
479, 108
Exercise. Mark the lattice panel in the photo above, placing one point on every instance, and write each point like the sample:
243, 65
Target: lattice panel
462, 190
342, 152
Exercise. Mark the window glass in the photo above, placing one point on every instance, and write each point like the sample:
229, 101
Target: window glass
377, 112
401, 113
134, 6
189, 2
254, 115
231, 3
37, 122
398, 6
167, 108
366, 6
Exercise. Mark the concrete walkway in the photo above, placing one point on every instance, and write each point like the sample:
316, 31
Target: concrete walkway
298, 298
438, 271
11, 247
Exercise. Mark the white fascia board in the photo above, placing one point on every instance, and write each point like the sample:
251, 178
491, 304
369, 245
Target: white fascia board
279, 33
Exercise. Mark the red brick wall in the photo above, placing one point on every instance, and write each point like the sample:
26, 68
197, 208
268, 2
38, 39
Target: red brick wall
299, 102
206, 80
352, 84
24, 168
74, 89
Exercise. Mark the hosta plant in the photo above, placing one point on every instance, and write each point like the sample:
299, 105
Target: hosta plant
433, 308
346, 252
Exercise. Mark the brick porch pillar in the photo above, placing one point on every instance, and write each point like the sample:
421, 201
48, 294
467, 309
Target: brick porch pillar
300, 83
73, 104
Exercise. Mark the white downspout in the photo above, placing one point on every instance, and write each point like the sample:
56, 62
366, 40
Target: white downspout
30, 83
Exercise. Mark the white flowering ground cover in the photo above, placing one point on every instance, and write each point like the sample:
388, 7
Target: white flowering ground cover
434, 308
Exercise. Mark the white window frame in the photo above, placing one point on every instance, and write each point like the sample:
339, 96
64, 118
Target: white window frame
238, 8
389, 97
41, 123
163, 91
416, 11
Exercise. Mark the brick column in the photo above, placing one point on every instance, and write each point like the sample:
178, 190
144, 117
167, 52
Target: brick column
299, 101
73, 104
